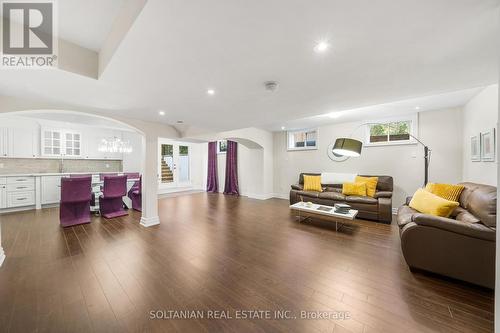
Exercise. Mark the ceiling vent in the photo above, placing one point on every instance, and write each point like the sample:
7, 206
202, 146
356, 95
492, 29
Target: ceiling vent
271, 85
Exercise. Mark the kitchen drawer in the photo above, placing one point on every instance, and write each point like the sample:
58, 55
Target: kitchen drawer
3, 180
20, 187
19, 199
21, 180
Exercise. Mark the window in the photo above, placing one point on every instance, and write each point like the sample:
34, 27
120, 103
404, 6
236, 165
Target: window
391, 132
221, 146
302, 139
57, 142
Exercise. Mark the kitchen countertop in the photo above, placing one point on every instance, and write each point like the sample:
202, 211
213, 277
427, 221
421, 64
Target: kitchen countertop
41, 174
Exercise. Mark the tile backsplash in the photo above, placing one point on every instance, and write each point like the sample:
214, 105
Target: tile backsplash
50, 165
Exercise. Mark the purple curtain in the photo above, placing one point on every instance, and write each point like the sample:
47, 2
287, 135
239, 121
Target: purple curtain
231, 186
212, 182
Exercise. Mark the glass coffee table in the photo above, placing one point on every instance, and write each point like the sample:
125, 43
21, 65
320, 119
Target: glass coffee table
306, 211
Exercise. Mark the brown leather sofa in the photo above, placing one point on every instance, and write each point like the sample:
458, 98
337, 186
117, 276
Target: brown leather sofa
462, 246
378, 208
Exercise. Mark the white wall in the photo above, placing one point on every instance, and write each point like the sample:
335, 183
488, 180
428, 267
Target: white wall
480, 115
255, 160
250, 171
441, 130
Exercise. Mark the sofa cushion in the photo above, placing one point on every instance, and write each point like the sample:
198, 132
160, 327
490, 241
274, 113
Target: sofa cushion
361, 199
354, 189
428, 203
301, 176
371, 184
481, 201
308, 194
446, 191
312, 183
382, 194
463, 215
405, 215
332, 196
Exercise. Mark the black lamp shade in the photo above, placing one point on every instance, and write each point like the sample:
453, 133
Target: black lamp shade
347, 147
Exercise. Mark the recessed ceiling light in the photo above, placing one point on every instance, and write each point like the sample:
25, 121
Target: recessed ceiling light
211, 92
282, 128
417, 107
161, 113
321, 47
180, 121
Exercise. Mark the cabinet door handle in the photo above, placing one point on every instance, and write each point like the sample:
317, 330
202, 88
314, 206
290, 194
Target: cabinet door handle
21, 187
21, 199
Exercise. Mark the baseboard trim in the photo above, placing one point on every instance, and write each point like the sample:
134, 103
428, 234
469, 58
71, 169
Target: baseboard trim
2, 256
150, 221
281, 196
257, 196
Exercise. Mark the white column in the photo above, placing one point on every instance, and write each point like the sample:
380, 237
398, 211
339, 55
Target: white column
2, 254
150, 182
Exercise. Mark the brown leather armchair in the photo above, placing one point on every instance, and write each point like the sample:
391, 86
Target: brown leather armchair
462, 246
378, 208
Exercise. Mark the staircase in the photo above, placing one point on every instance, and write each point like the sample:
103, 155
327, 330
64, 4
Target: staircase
166, 174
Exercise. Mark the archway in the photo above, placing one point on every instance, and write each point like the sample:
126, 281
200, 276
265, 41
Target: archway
149, 197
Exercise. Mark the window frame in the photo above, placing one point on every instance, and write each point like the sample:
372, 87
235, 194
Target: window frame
304, 130
413, 119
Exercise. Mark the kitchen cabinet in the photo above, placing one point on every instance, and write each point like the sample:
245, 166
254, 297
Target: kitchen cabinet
20, 191
3, 192
51, 189
18, 142
4, 142
24, 142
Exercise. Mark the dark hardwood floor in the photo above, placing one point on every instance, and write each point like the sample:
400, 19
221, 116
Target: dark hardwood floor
213, 252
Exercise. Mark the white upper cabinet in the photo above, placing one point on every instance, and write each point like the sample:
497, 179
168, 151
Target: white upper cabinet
18, 142
23, 142
4, 142
58, 142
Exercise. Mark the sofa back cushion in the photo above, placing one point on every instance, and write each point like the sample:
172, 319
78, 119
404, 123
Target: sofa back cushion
301, 176
481, 201
385, 183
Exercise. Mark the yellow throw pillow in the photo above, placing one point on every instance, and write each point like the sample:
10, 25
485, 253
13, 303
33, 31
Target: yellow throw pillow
445, 191
312, 183
428, 203
354, 189
371, 184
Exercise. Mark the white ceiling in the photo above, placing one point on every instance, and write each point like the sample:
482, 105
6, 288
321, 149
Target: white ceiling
374, 112
381, 51
87, 22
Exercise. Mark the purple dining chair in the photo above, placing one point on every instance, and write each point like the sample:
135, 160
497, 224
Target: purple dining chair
132, 175
80, 175
135, 194
75, 201
111, 202
102, 175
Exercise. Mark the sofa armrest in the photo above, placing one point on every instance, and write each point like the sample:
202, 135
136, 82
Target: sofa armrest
383, 194
297, 187
475, 230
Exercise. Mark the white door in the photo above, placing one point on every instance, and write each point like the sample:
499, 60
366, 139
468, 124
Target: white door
174, 164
